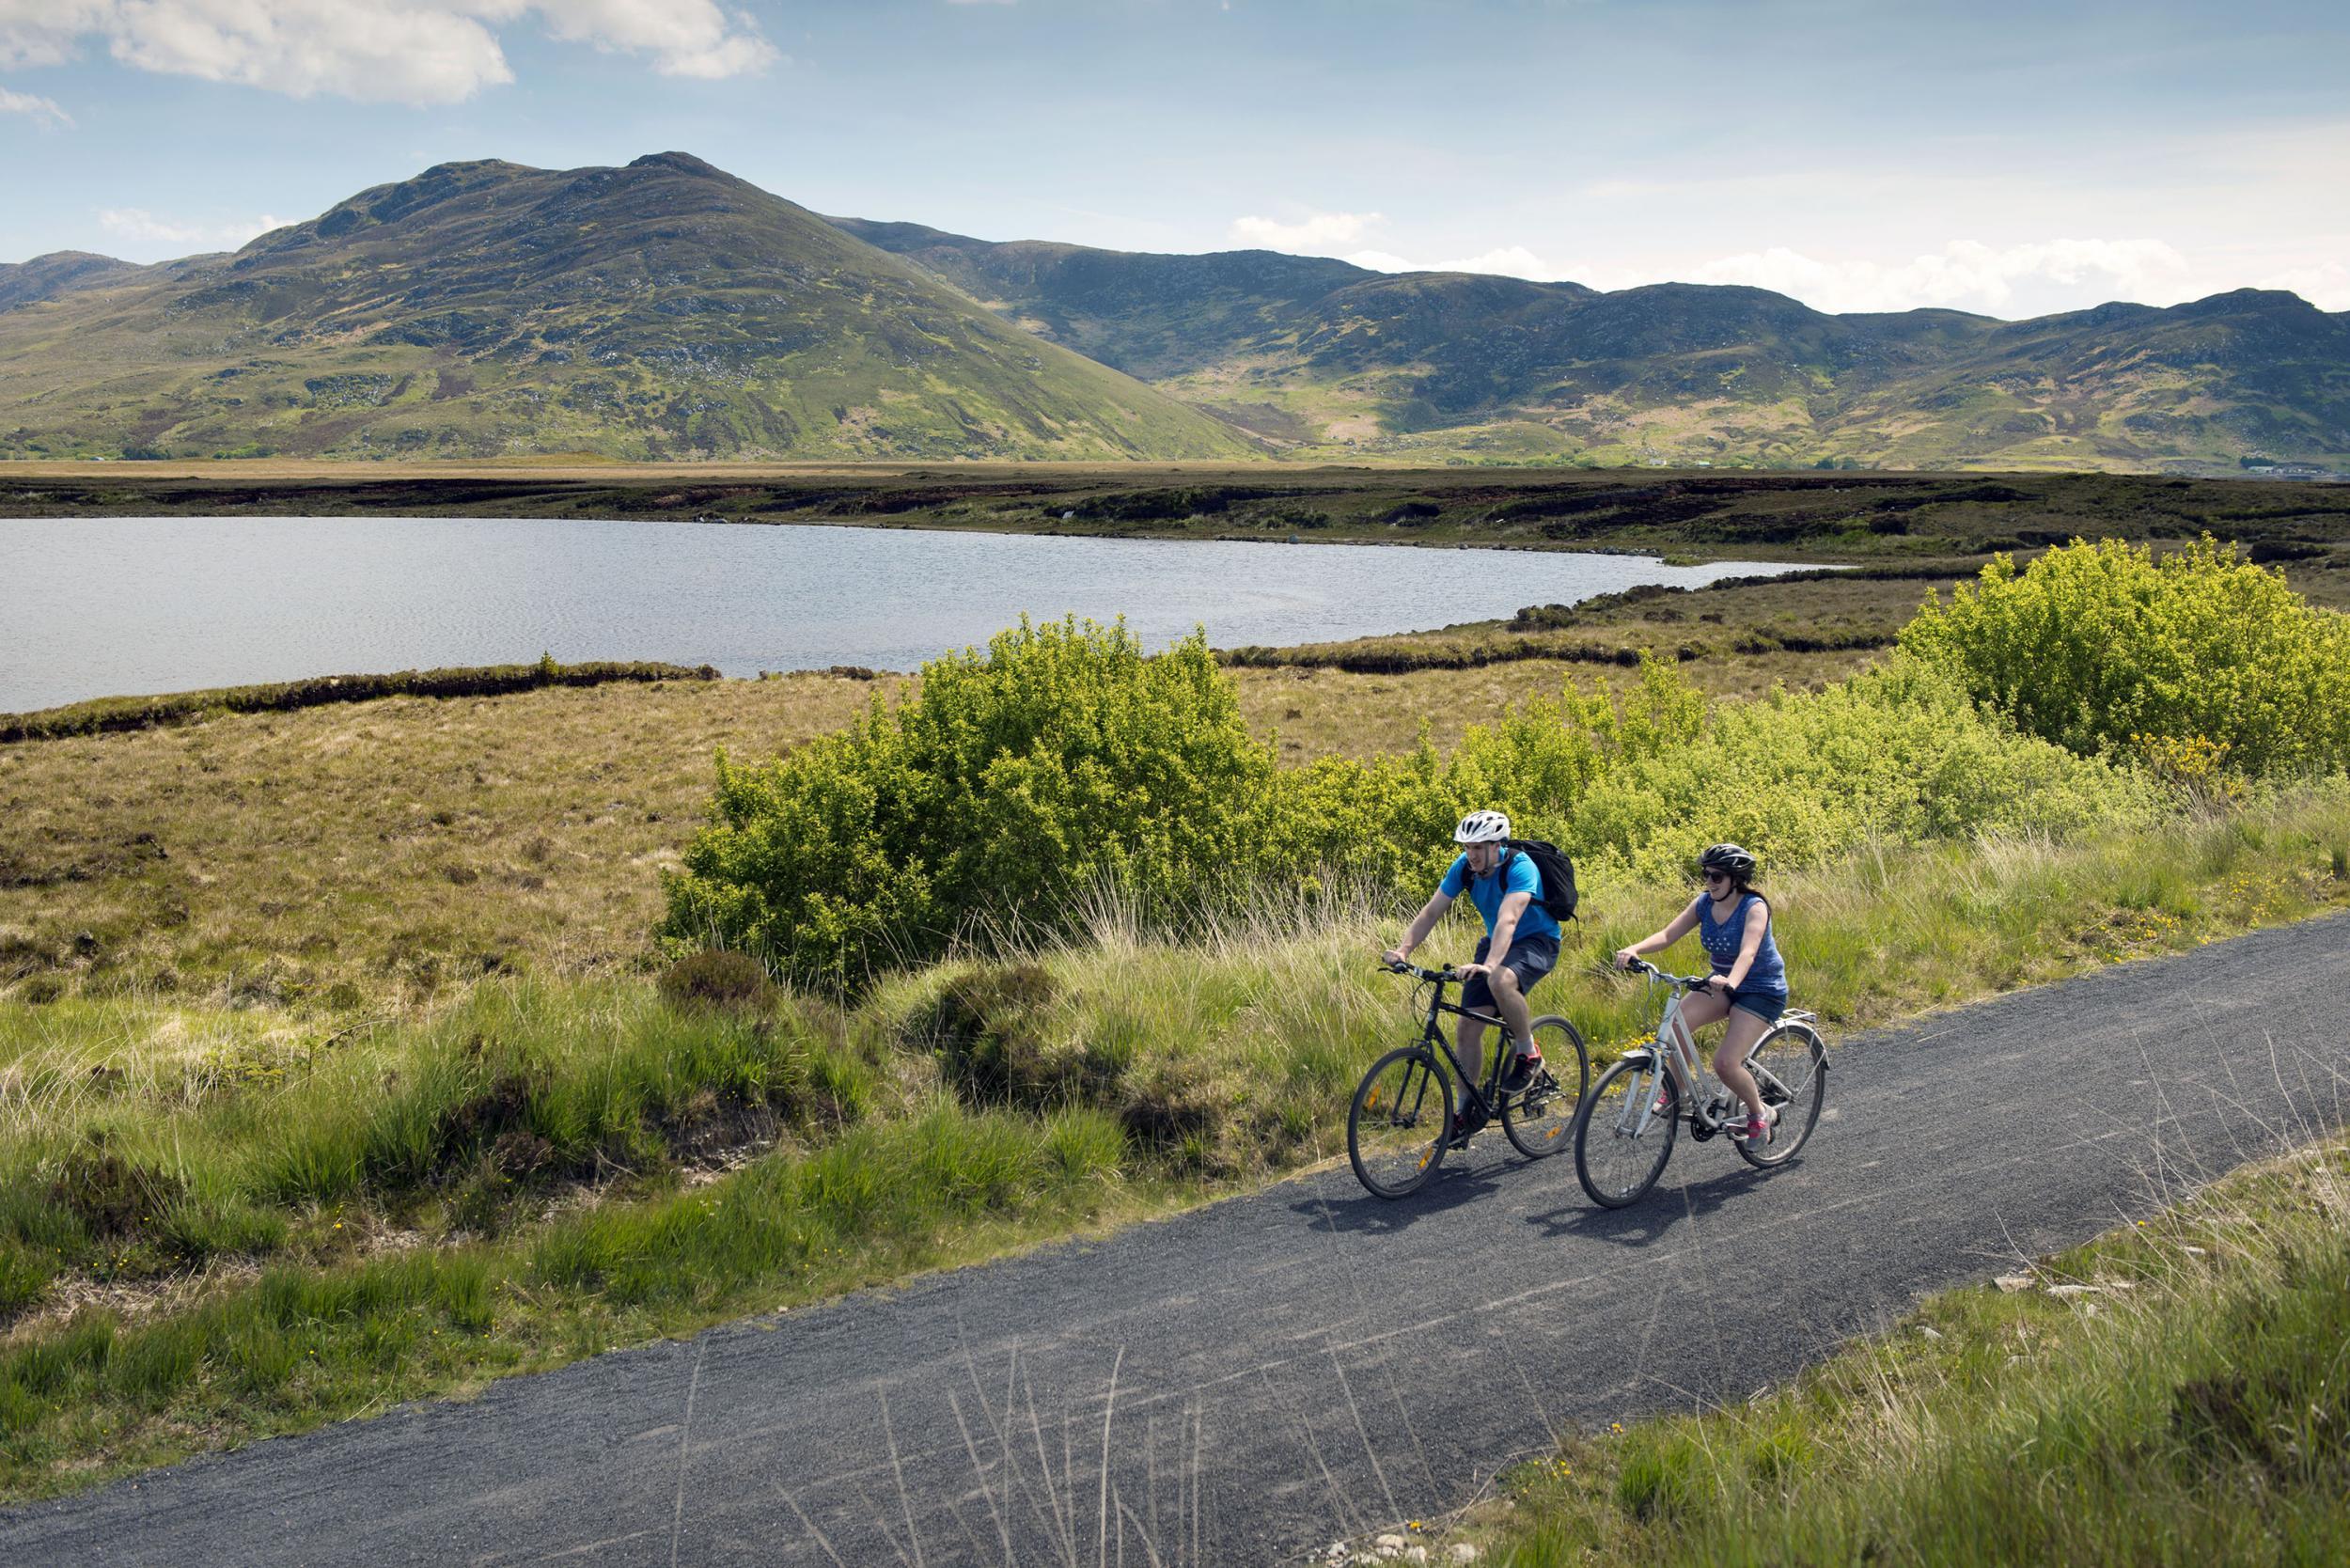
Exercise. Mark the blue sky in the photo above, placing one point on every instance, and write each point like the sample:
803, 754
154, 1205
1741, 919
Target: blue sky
1989, 156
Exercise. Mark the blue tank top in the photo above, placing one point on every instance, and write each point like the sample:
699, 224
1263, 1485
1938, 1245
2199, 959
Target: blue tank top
1723, 941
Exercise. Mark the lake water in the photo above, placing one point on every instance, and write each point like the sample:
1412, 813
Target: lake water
111, 606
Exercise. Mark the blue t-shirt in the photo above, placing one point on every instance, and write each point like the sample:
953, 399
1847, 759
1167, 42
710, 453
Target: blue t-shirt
1515, 873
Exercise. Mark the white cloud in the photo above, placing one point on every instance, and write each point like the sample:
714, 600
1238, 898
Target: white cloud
43, 112
2012, 281
2324, 284
142, 236
415, 52
1319, 234
686, 38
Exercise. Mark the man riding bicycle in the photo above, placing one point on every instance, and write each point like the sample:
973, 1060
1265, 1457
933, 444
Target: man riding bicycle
1519, 948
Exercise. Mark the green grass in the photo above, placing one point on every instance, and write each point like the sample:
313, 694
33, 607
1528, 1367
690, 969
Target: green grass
539, 1170
2173, 1393
114, 714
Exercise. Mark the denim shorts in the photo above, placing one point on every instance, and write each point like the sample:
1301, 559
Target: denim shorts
1766, 1005
1530, 958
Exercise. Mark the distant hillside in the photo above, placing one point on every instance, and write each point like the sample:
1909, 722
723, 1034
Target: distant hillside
44, 278
661, 311
668, 310
1327, 359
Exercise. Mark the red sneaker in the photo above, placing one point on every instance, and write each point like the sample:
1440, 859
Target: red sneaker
1521, 1071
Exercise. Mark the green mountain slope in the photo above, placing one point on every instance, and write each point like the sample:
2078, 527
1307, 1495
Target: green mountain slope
1325, 359
61, 271
661, 311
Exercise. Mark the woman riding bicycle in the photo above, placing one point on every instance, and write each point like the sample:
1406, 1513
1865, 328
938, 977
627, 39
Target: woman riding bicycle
1749, 983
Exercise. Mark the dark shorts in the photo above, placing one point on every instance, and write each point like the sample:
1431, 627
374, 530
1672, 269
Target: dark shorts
1766, 1005
1530, 959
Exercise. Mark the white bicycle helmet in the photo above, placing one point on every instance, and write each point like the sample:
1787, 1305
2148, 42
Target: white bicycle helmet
1481, 827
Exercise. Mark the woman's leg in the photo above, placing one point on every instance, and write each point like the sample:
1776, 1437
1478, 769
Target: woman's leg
1697, 1010
1729, 1058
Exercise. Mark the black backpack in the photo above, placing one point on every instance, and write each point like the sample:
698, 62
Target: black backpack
1557, 897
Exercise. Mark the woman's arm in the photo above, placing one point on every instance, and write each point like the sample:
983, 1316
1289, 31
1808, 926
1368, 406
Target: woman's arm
1758, 921
1677, 928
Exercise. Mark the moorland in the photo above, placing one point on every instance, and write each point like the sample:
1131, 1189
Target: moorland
358, 1052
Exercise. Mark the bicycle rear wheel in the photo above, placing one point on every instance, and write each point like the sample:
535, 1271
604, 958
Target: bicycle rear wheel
1790, 1067
1400, 1122
1624, 1133
1539, 1120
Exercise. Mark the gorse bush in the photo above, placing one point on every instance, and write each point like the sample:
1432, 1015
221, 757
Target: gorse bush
1064, 758
2106, 650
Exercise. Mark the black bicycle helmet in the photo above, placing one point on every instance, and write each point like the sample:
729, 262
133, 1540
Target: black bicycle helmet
1732, 859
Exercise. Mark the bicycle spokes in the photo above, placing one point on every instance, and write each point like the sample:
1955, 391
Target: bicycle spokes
1402, 1118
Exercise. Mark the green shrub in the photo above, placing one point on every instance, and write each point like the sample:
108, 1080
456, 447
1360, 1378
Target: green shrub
1060, 758
1065, 759
1895, 756
2100, 648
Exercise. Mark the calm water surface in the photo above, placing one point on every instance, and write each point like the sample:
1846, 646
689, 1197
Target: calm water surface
107, 607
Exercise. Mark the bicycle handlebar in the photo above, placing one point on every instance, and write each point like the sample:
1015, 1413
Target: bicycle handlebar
1446, 974
1687, 982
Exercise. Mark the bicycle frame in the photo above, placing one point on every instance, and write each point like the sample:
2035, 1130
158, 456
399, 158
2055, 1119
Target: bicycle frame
1431, 1033
1677, 1043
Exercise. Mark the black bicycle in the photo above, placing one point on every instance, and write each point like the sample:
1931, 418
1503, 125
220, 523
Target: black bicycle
1402, 1121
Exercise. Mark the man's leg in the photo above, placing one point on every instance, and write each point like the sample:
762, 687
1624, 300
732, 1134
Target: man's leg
1470, 1053
1510, 1001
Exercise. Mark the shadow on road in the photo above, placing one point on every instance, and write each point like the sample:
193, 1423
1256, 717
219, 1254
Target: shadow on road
1367, 1214
1649, 1220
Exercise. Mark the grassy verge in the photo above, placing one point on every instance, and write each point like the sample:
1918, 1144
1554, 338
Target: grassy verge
211, 1233
109, 715
2175, 1393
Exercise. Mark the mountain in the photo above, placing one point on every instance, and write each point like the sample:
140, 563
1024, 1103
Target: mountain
668, 310
1325, 359
62, 272
665, 309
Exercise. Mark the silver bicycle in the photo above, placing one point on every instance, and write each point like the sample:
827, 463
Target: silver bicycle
1624, 1132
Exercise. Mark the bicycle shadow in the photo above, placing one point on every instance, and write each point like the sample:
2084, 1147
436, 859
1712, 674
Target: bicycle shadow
1363, 1213
1653, 1216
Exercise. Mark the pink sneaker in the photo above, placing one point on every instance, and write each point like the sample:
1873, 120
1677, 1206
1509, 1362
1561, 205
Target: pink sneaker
1759, 1127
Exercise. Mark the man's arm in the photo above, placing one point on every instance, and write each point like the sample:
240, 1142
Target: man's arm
1422, 923
1505, 928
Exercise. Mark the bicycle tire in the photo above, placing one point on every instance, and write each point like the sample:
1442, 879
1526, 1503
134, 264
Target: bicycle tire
1790, 1065
1629, 1148
1392, 1140
1539, 1120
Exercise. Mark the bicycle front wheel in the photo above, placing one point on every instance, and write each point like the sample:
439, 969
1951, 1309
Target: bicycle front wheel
1790, 1067
1624, 1133
1539, 1120
1401, 1120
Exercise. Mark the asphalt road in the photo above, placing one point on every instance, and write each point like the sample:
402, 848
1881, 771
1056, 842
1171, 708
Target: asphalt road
1247, 1383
